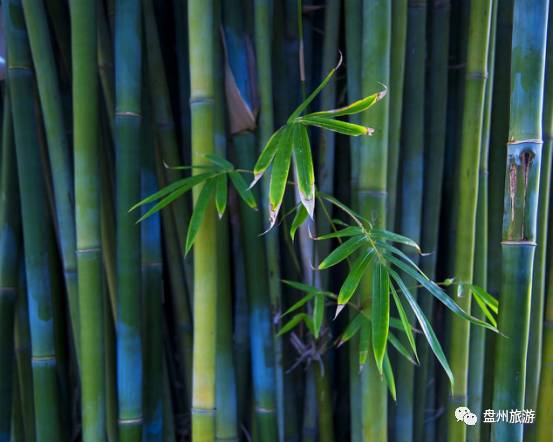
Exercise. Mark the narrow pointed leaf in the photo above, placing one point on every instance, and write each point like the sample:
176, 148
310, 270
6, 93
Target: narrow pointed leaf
354, 277
342, 252
318, 313
301, 286
389, 376
352, 328
221, 194
406, 325
199, 212
242, 188
348, 231
313, 94
342, 127
396, 343
485, 310
299, 219
220, 162
184, 184
486, 297
291, 324
279, 173
425, 326
380, 312
304, 169
267, 154
299, 304
351, 109
394, 237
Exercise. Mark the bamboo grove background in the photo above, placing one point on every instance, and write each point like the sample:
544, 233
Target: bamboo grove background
114, 330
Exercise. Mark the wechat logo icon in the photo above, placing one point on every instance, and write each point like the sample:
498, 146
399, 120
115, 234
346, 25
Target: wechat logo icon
465, 415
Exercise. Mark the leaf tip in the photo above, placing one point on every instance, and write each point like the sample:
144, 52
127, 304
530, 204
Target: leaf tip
339, 308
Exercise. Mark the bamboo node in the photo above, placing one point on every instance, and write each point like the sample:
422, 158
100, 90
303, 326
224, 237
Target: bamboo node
264, 410
206, 411
131, 421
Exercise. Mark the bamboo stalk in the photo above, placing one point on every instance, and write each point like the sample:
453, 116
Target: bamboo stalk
128, 120
533, 362
372, 191
200, 27
36, 225
520, 209
87, 213
411, 185
58, 149
9, 275
435, 137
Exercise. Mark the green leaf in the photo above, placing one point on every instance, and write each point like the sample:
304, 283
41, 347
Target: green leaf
198, 214
219, 161
313, 94
342, 127
291, 324
405, 323
380, 312
301, 286
352, 328
425, 326
342, 252
279, 173
221, 194
299, 219
436, 291
389, 376
348, 231
394, 237
267, 154
318, 313
299, 304
185, 183
353, 108
486, 297
242, 189
304, 169
354, 278
486, 311
396, 343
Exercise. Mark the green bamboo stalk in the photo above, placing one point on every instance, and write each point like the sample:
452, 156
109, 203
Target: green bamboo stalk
533, 363
409, 203
477, 343
22, 343
87, 214
35, 221
371, 191
17, 426
200, 28
520, 209
152, 283
58, 149
435, 136
9, 275
128, 120
471, 140
59, 14
397, 69
353, 64
105, 66
263, 36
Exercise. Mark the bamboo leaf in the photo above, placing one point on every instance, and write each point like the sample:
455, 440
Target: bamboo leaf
486, 311
425, 326
242, 188
299, 304
380, 312
342, 252
291, 324
342, 127
299, 219
389, 376
406, 325
301, 286
304, 169
267, 154
313, 94
184, 184
351, 109
364, 343
199, 212
486, 297
354, 277
352, 328
221, 194
219, 161
318, 313
348, 231
396, 343
279, 173
394, 237
437, 292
